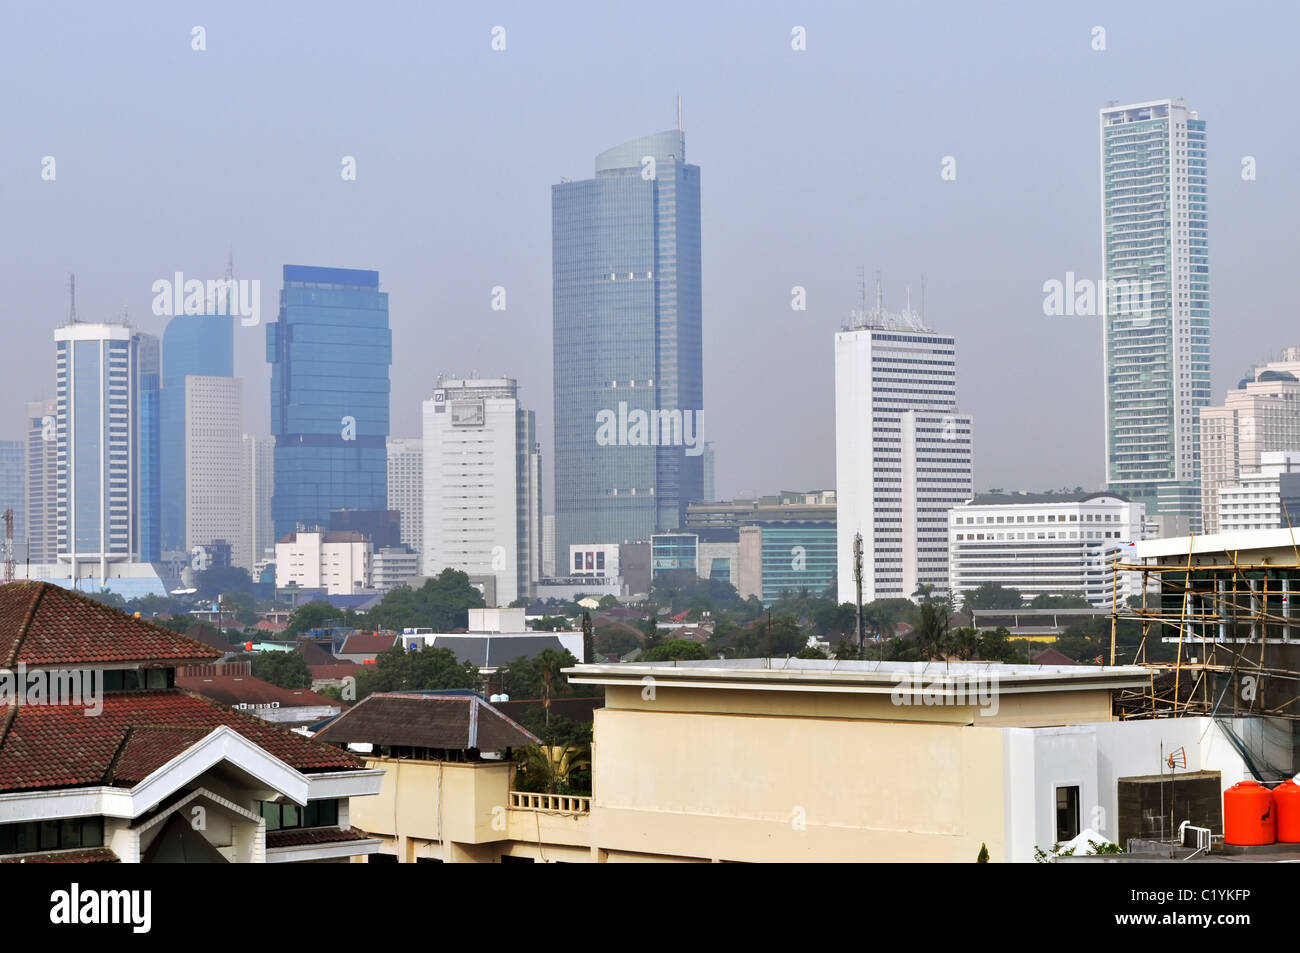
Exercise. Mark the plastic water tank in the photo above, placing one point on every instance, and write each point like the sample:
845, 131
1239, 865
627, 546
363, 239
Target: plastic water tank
1249, 817
1286, 804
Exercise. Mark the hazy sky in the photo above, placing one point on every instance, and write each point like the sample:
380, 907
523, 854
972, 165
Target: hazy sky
813, 163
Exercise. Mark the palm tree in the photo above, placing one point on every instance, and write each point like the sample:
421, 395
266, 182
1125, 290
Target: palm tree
924, 591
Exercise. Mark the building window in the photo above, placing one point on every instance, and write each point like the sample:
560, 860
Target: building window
1067, 813
324, 813
51, 835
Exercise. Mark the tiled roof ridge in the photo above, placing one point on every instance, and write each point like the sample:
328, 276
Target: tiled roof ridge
110, 770
253, 720
14, 651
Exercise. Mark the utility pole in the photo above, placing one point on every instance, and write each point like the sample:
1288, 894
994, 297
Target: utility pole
857, 579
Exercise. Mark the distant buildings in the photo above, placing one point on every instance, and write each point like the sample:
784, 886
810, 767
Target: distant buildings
1057, 544
256, 540
406, 488
903, 454
13, 490
42, 544
200, 346
1268, 499
338, 562
1262, 414
104, 432
628, 362
329, 351
1155, 261
482, 485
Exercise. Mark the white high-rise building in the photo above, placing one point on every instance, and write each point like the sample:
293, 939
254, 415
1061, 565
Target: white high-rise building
1261, 415
42, 541
1156, 329
406, 488
214, 413
338, 561
256, 485
548, 546
1256, 502
903, 453
482, 485
102, 433
1056, 544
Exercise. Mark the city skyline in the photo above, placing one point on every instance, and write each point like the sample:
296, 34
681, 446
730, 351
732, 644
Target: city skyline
831, 203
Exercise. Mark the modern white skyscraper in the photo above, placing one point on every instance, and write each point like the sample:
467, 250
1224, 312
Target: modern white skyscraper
1156, 329
42, 543
257, 484
1261, 415
482, 485
406, 488
902, 453
548, 546
213, 445
102, 431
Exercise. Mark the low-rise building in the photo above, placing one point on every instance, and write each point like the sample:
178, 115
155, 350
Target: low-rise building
338, 561
1262, 500
1055, 544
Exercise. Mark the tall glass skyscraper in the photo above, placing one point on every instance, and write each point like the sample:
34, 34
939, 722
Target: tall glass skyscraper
149, 449
629, 388
329, 352
1155, 261
193, 345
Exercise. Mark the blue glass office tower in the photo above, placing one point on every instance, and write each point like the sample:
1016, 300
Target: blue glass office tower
329, 351
628, 367
192, 344
150, 449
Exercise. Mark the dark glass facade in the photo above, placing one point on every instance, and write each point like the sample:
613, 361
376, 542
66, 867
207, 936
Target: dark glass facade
329, 351
193, 344
150, 449
628, 365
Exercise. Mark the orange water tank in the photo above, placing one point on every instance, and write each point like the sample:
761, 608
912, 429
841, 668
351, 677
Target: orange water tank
1249, 817
1286, 804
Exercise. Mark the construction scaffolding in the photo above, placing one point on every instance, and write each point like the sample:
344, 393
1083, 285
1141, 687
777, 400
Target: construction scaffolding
1235, 631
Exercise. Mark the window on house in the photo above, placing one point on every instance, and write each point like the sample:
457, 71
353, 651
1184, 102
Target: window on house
1067, 813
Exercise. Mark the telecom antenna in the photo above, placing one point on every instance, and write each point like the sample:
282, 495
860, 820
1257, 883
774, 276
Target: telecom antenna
9, 545
72, 296
679, 113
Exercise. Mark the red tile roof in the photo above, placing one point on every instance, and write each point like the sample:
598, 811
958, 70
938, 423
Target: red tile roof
53, 746
247, 690
367, 644
312, 835
337, 670
88, 855
45, 624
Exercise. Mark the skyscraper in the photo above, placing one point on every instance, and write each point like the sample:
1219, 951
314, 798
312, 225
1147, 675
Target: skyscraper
903, 453
13, 490
256, 540
42, 543
1155, 270
200, 345
626, 306
406, 488
482, 485
213, 443
329, 352
102, 432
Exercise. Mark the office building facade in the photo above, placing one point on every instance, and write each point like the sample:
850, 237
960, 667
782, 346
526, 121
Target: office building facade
903, 454
214, 415
329, 350
1156, 326
256, 540
406, 488
41, 545
627, 344
482, 485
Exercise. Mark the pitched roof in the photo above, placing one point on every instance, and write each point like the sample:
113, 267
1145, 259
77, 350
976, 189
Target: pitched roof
336, 670
367, 644
45, 624
248, 690
54, 746
87, 855
300, 837
487, 651
427, 720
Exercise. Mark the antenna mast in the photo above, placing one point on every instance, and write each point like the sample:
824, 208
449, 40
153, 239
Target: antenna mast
9, 545
72, 295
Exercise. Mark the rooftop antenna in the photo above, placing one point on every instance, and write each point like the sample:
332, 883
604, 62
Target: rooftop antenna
880, 294
679, 113
72, 295
923, 297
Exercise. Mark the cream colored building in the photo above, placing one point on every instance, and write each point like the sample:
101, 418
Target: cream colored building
338, 561
803, 760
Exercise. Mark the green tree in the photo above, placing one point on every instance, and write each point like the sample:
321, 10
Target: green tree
1048, 601
428, 669
286, 669
313, 615
222, 579
676, 650
811, 651
992, 596
528, 677
650, 629
608, 602
441, 603
983, 857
